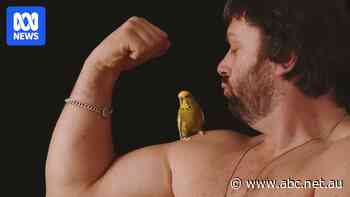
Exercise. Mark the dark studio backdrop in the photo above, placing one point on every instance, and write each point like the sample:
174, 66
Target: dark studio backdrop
36, 80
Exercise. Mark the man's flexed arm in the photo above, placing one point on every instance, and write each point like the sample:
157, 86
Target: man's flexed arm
81, 150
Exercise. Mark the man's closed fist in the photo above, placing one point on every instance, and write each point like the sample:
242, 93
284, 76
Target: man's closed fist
133, 43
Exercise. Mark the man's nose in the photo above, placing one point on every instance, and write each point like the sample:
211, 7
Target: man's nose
222, 68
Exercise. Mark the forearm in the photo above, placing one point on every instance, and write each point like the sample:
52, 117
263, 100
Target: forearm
81, 146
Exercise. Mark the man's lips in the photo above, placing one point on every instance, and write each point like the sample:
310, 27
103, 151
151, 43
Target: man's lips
224, 82
226, 89
223, 85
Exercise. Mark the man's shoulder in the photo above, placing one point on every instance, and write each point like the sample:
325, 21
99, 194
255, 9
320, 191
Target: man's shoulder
340, 143
213, 143
335, 165
339, 149
219, 134
211, 138
335, 157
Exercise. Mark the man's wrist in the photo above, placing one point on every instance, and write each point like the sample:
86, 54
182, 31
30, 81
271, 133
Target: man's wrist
102, 71
95, 84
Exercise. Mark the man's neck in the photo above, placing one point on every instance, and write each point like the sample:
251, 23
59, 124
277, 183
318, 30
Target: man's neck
297, 119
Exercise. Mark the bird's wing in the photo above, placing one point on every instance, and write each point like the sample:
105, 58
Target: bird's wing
179, 123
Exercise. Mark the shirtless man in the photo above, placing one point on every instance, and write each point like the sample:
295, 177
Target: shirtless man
272, 81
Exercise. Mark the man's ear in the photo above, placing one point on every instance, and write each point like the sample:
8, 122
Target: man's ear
286, 67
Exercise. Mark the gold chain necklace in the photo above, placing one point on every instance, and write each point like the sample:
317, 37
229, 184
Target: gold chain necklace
278, 157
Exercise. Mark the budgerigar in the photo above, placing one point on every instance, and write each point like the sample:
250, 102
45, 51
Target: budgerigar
190, 117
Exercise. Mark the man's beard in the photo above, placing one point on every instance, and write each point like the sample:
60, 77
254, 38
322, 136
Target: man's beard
252, 99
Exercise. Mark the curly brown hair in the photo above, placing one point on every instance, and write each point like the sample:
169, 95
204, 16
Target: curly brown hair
316, 32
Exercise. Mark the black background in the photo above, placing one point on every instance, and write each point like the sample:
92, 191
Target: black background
36, 80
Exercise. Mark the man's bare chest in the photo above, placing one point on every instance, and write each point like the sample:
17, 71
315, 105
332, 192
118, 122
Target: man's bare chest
297, 174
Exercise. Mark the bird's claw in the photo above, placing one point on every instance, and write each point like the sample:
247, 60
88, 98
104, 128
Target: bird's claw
186, 138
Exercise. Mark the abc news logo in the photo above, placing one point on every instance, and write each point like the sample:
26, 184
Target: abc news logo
26, 26
32, 24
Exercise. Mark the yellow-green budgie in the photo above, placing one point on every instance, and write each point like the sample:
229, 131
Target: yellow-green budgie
190, 117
